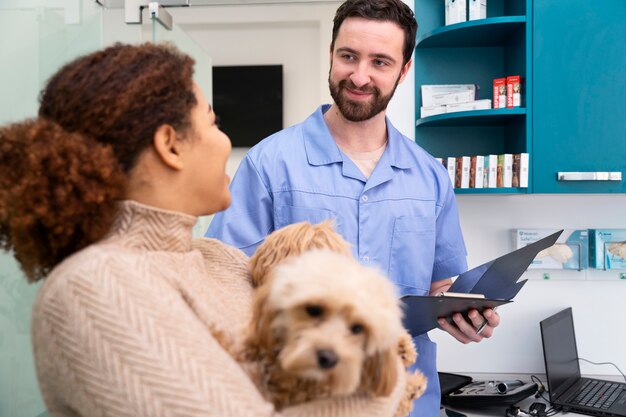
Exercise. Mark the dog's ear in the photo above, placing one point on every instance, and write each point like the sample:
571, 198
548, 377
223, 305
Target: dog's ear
380, 373
260, 337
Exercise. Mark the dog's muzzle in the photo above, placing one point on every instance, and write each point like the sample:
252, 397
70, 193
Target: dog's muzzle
327, 359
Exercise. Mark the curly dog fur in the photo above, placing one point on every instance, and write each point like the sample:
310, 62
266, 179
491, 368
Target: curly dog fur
324, 325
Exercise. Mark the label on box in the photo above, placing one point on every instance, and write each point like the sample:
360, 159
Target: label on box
456, 11
472, 105
432, 111
431, 90
499, 93
607, 248
477, 9
513, 91
570, 251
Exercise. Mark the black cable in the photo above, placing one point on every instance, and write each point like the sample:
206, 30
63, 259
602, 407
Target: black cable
604, 363
541, 389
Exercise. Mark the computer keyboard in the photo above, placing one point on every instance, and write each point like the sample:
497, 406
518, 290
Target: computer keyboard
597, 394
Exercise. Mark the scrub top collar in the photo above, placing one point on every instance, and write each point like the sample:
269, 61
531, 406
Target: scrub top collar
321, 148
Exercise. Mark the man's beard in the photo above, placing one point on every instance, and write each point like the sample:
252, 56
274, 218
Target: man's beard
358, 111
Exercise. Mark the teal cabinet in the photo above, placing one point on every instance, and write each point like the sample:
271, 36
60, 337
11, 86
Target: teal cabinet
579, 93
474, 52
572, 58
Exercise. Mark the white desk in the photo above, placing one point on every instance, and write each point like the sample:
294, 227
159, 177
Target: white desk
500, 411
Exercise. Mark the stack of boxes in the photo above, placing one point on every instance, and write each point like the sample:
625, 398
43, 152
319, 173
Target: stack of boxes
449, 98
488, 171
507, 92
577, 249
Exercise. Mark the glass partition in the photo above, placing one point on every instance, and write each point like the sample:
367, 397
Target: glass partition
37, 38
202, 76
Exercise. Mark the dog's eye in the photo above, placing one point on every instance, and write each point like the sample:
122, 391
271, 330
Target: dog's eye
356, 328
314, 311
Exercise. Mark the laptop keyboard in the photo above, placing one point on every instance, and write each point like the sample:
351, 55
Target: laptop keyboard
597, 394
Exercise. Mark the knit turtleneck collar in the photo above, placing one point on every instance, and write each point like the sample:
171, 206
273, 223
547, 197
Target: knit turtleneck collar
140, 226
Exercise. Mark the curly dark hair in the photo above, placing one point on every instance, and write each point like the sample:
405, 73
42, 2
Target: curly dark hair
384, 10
62, 173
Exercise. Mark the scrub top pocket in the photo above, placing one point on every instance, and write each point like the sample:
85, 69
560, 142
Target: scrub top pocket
412, 254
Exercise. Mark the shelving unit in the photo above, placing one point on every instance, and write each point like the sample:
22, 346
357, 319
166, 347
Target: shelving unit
475, 52
490, 32
493, 117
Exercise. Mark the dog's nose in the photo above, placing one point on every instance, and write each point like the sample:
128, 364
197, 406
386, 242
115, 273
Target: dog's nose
326, 359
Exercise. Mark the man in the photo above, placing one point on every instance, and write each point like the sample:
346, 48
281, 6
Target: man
388, 197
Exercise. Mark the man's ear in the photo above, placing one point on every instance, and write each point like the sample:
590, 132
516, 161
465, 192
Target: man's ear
168, 146
405, 70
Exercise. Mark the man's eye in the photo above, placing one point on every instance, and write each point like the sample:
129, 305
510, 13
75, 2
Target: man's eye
314, 310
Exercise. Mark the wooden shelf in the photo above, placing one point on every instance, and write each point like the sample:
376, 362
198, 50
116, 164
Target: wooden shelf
490, 32
491, 190
491, 117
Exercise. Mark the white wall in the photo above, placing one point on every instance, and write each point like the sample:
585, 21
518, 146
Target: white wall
298, 36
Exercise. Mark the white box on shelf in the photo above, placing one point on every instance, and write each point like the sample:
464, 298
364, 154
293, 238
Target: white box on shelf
432, 111
453, 98
429, 91
477, 9
472, 105
456, 11
450, 164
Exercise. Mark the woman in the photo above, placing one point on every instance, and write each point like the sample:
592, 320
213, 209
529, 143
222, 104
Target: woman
99, 195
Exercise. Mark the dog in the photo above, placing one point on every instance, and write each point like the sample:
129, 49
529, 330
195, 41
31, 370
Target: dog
324, 325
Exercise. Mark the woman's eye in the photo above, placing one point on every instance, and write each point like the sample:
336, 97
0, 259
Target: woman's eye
314, 310
356, 328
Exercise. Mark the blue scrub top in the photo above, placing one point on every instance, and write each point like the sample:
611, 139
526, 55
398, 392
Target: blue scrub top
402, 220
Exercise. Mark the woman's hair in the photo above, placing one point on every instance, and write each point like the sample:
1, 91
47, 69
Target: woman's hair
62, 172
395, 11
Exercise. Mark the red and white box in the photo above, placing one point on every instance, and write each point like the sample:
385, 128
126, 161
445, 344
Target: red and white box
513, 91
462, 172
499, 93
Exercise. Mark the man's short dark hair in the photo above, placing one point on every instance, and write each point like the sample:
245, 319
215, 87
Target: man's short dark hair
384, 10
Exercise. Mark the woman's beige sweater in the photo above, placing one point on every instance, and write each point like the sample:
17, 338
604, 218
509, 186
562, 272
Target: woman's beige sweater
126, 327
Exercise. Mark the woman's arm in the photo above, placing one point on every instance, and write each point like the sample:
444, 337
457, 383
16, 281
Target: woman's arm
108, 342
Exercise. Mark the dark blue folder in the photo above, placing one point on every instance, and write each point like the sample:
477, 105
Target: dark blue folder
496, 280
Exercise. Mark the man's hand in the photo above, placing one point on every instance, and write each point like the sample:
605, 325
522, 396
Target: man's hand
478, 327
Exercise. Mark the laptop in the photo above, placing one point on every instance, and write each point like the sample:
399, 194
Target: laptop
568, 390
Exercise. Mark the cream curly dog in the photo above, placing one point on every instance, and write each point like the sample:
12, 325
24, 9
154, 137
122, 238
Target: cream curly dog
323, 324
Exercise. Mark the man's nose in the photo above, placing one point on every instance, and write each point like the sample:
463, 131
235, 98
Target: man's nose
360, 76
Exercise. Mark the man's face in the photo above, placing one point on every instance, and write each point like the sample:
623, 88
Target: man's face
366, 67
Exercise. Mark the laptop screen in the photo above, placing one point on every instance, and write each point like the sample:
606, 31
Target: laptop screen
559, 352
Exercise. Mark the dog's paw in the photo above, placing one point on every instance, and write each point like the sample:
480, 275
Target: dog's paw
415, 387
406, 350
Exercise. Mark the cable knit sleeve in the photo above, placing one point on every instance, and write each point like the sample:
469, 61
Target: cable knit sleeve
113, 338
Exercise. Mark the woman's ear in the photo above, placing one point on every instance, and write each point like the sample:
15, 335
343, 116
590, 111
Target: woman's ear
168, 146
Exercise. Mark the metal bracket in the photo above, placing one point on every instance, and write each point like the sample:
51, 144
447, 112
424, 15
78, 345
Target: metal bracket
132, 9
159, 13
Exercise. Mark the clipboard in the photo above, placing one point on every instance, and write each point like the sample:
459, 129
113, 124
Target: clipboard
496, 280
